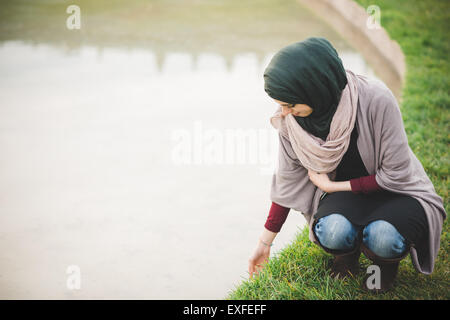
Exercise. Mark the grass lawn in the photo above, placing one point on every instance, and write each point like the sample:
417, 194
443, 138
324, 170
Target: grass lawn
299, 270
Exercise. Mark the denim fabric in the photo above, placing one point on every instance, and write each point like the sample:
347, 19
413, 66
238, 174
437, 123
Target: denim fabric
337, 233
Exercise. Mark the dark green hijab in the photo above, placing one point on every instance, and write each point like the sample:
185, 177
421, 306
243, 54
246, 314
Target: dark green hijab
308, 72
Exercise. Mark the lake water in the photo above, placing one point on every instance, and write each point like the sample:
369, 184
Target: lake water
137, 150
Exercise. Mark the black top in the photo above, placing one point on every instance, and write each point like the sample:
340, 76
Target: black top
351, 165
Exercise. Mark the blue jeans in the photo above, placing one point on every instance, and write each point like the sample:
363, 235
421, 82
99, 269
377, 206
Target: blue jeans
382, 238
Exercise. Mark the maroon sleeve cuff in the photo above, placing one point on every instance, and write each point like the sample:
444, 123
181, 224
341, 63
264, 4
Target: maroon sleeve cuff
277, 217
365, 184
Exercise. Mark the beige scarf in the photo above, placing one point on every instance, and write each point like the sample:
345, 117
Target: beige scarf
314, 153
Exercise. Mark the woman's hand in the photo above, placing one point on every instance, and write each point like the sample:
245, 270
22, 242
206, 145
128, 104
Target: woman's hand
321, 180
258, 259
324, 183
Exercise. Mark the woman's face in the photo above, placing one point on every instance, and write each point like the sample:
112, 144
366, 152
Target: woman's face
299, 110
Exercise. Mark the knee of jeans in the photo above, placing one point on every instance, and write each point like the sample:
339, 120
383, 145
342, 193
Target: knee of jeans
383, 239
335, 232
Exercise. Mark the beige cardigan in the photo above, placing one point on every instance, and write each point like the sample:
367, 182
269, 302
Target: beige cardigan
384, 149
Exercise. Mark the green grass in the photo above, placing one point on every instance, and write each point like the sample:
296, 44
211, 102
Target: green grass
299, 271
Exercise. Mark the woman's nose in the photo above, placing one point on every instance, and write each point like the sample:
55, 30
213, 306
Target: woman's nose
285, 111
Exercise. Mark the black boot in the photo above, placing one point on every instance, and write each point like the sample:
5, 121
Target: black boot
346, 264
388, 270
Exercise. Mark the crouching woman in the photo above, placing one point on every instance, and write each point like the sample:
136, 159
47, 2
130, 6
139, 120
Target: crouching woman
345, 164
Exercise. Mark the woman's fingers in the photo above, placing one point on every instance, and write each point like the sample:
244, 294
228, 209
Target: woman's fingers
256, 263
254, 268
251, 268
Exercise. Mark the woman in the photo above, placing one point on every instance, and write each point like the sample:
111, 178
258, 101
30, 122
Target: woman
345, 164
